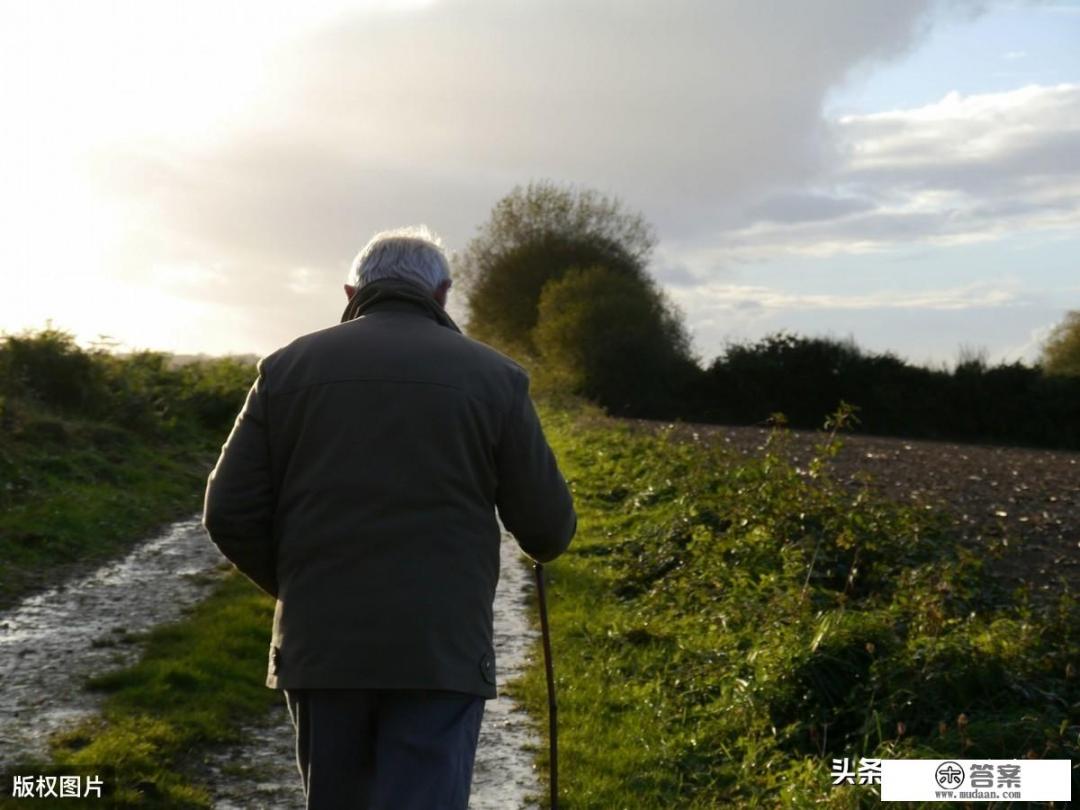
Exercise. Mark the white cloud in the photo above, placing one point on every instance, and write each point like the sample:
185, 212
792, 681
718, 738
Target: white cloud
962, 170
968, 130
707, 116
186, 278
681, 109
709, 298
305, 281
1030, 349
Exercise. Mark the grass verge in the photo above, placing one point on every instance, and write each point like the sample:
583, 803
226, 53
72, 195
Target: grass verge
724, 627
199, 681
75, 492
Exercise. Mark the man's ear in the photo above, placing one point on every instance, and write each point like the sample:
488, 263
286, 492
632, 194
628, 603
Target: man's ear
350, 291
441, 292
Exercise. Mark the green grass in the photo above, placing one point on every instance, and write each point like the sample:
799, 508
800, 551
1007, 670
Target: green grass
98, 449
76, 491
723, 627
198, 682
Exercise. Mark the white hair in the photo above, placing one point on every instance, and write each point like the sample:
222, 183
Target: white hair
413, 253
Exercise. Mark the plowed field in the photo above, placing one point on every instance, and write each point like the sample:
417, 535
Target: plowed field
1027, 497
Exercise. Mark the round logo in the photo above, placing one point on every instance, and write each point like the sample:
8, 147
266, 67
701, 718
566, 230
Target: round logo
949, 775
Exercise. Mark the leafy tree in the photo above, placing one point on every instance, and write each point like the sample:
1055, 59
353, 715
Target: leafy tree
535, 235
1061, 351
615, 339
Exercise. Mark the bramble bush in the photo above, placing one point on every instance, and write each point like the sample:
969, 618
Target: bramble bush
728, 624
145, 391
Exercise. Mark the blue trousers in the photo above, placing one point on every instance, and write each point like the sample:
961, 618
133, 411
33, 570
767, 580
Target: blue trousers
385, 749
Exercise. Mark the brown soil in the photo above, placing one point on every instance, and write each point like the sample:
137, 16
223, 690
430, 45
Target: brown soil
1028, 498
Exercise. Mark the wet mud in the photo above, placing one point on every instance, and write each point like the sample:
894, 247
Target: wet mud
52, 641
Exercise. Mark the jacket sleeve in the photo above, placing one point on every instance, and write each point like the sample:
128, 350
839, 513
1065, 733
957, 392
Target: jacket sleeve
532, 497
240, 502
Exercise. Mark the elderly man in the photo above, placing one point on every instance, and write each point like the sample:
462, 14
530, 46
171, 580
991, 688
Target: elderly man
359, 487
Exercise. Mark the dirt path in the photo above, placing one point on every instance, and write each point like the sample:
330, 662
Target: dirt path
263, 773
51, 642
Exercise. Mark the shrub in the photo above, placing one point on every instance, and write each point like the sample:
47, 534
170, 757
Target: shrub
535, 235
614, 339
48, 367
143, 391
1061, 351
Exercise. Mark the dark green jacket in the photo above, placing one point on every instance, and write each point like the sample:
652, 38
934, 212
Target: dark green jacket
360, 484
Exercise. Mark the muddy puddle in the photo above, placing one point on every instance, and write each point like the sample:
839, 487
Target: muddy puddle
51, 642
504, 776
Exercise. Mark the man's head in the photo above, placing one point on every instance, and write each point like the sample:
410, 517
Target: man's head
414, 254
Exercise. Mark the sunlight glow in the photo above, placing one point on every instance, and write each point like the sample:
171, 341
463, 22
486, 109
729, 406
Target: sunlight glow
85, 79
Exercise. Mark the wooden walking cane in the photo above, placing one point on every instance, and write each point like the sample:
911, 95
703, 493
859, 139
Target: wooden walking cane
552, 724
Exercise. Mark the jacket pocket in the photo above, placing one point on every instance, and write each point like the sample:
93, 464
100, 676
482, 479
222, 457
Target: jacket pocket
487, 667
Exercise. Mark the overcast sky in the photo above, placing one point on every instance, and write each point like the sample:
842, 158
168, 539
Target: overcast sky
196, 176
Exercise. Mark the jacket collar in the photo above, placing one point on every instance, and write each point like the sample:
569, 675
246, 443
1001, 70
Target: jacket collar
398, 291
